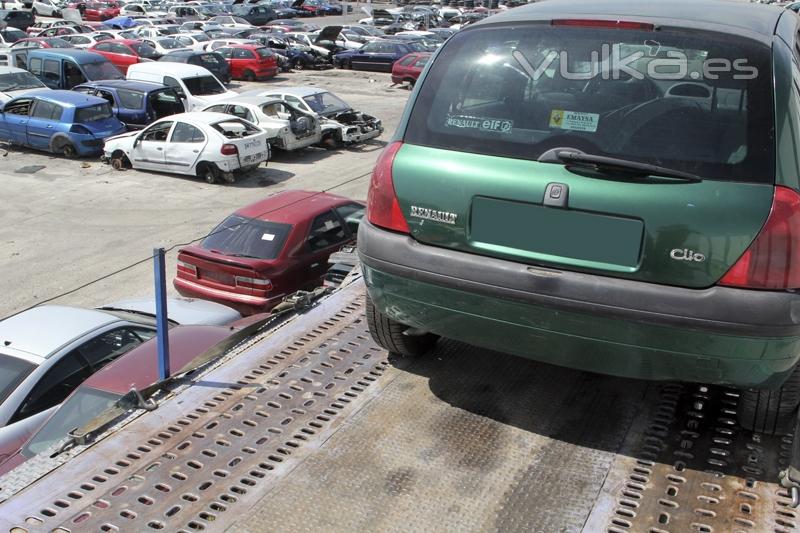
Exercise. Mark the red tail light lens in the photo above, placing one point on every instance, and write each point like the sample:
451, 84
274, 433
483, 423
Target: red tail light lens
383, 209
773, 260
187, 268
253, 283
618, 24
228, 149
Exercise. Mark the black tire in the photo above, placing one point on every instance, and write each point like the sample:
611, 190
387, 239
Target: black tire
34, 12
249, 75
298, 64
771, 411
389, 334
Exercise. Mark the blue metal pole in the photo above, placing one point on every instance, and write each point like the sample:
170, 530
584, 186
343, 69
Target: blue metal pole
162, 326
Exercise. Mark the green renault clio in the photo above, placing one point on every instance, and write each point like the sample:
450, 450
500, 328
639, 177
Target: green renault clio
610, 186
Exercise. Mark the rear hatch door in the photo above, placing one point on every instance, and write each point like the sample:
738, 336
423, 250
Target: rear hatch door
468, 176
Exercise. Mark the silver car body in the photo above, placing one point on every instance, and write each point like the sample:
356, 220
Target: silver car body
299, 96
274, 117
70, 328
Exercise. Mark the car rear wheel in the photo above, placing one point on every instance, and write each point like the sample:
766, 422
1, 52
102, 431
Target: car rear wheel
771, 411
209, 173
249, 75
393, 335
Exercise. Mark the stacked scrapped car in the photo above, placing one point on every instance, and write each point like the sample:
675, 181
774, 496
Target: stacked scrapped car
629, 219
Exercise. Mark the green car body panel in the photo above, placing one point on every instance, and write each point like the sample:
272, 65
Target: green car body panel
640, 231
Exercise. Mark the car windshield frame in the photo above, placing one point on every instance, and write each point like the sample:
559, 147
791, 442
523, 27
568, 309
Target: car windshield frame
93, 113
241, 235
316, 102
102, 70
13, 371
203, 85
64, 420
466, 101
18, 81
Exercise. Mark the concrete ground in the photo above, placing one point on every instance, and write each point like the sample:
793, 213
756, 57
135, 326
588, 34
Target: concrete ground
64, 223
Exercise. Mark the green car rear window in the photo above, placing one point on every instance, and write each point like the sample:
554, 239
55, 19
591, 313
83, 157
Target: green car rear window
695, 101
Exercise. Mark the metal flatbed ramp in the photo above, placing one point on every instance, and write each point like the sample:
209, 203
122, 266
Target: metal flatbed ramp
315, 428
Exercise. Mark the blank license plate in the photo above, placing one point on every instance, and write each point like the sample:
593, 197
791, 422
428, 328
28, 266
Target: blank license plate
254, 158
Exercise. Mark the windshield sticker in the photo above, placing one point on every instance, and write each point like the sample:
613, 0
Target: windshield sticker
494, 125
574, 120
268, 237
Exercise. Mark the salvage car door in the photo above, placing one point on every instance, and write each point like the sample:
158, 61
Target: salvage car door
327, 235
41, 124
185, 146
15, 120
148, 151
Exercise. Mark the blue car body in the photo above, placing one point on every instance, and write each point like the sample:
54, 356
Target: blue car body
135, 103
376, 55
59, 121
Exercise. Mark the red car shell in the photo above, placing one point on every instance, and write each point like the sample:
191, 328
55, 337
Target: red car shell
409, 67
123, 52
302, 228
137, 368
95, 11
250, 61
41, 42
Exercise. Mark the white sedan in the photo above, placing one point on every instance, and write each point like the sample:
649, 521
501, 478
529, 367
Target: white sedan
206, 145
289, 128
216, 44
85, 40
165, 45
196, 40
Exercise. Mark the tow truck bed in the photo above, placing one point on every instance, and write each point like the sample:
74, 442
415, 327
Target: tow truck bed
313, 427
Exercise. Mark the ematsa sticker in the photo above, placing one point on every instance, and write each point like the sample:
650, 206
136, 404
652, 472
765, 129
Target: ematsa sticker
574, 120
494, 125
267, 237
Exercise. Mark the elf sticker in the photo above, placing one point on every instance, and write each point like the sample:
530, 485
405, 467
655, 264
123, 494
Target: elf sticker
493, 125
573, 120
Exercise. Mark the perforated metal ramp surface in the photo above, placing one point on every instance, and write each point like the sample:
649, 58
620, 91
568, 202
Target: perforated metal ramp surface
316, 429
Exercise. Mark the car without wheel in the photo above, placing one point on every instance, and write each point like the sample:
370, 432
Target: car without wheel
267, 250
135, 103
341, 124
640, 224
207, 145
289, 128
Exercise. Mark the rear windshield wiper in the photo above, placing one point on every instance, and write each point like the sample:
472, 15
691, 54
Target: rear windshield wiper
602, 163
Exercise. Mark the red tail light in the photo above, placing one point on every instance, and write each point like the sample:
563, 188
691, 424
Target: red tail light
229, 149
253, 283
187, 268
619, 24
773, 260
383, 209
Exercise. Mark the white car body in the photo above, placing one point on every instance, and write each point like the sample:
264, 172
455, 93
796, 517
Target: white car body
164, 45
230, 21
16, 81
342, 125
180, 75
141, 10
282, 122
216, 44
13, 5
343, 39
45, 8
307, 39
196, 41
85, 40
163, 147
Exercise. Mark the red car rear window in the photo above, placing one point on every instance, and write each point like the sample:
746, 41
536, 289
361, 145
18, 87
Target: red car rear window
243, 237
